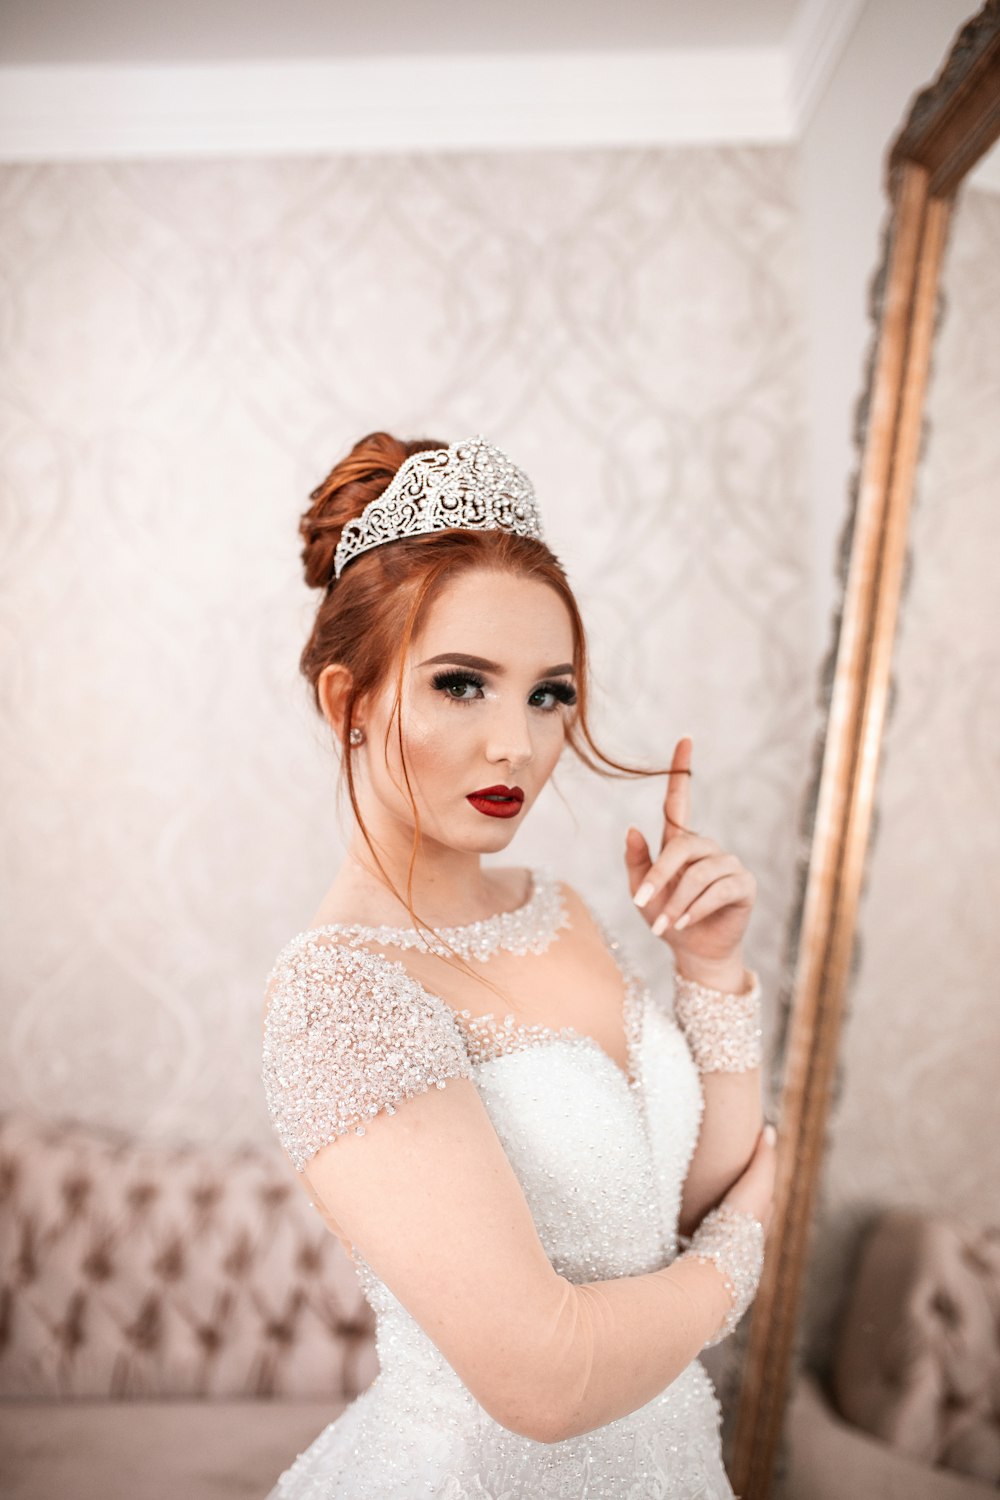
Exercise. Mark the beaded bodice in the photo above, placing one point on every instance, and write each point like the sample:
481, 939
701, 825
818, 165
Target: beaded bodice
350, 1033
601, 1156
359, 973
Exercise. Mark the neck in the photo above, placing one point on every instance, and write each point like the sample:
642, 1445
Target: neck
450, 886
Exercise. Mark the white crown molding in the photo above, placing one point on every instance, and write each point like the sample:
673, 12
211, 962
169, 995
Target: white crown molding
395, 104
820, 32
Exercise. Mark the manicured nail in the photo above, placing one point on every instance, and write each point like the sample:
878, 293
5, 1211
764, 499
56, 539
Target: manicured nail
770, 1134
682, 921
644, 892
661, 924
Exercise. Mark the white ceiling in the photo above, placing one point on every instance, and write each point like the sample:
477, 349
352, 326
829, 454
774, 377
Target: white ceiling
189, 31
100, 79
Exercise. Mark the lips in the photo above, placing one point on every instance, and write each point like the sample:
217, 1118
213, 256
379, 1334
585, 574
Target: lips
497, 801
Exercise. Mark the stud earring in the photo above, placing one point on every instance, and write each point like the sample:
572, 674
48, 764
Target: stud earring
356, 736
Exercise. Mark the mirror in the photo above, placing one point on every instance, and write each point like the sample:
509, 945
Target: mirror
896, 929
922, 1031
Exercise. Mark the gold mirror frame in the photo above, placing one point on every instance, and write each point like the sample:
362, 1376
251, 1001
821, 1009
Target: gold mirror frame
950, 126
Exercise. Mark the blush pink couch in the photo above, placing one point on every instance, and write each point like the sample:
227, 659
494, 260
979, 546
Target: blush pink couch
912, 1406
178, 1323
174, 1322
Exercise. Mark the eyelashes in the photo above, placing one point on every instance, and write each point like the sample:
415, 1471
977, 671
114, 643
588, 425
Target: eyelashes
562, 692
445, 680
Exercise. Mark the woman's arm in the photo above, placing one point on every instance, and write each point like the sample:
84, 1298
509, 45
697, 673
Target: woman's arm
695, 887
432, 1204
733, 1113
372, 1094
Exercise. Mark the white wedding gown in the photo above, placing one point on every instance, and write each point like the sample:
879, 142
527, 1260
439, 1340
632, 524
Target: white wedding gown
601, 1158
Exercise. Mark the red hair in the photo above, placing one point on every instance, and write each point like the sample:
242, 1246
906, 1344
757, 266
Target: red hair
370, 614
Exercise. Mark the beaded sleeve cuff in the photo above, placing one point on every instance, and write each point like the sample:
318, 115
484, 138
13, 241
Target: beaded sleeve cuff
733, 1240
723, 1030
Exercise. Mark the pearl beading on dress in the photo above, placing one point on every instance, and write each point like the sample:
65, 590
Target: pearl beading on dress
529, 928
577, 1140
732, 1239
723, 1029
348, 1034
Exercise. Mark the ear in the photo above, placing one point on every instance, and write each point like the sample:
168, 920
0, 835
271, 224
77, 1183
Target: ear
333, 687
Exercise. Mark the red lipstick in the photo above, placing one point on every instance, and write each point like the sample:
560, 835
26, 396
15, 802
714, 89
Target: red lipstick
497, 801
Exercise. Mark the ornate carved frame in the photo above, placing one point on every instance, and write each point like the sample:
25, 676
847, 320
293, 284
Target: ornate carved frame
949, 127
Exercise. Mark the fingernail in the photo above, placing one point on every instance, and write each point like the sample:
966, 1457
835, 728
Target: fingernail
660, 925
644, 892
682, 921
770, 1134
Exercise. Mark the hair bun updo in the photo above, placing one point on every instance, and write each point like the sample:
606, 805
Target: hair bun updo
341, 497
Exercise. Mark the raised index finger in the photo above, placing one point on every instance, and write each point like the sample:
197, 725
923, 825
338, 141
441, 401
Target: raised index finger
677, 801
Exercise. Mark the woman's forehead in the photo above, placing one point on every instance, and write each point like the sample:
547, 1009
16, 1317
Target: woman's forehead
498, 616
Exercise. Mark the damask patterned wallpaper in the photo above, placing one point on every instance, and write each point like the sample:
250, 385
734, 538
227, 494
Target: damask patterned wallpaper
189, 347
919, 1112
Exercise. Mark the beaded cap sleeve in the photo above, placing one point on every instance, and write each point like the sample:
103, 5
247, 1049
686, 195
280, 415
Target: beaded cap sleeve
348, 1034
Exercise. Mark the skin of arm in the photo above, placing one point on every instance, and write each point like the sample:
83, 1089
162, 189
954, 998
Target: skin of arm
430, 1201
689, 869
733, 1114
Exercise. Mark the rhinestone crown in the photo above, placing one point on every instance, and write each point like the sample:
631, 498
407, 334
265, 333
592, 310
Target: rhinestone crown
469, 484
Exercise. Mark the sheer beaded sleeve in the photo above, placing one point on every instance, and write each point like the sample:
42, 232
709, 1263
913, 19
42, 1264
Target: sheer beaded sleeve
348, 1034
431, 1205
723, 1030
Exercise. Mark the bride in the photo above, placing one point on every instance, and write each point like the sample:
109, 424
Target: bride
552, 1180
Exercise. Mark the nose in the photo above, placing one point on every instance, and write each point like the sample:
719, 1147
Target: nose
509, 739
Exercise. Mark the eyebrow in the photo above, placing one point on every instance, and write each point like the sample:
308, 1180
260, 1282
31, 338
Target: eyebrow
462, 659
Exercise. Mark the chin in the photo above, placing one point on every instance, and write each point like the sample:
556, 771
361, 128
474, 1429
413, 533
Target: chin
492, 835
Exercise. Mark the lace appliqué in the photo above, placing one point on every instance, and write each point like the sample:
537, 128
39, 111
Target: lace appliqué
723, 1030
348, 1034
529, 928
733, 1240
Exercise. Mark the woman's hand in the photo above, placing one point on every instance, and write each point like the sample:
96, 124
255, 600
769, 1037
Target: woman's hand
693, 893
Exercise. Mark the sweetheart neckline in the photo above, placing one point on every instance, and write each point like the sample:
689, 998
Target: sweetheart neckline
536, 1034
544, 892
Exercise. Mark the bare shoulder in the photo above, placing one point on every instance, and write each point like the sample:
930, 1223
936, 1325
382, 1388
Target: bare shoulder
584, 915
516, 883
579, 904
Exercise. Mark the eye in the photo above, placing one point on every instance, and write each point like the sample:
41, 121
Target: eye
452, 684
561, 692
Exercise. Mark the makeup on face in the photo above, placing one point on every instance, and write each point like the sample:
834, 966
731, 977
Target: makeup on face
465, 674
483, 727
497, 801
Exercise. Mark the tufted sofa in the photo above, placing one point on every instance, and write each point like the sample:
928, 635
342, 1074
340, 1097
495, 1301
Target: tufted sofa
180, 1322
173, 1321
913, 1405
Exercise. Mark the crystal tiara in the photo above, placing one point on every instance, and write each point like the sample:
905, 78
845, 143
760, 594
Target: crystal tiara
469, 484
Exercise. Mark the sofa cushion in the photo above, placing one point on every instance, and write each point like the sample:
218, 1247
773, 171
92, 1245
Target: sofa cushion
153, 1450
916, 1359
139, 1270
826, 1458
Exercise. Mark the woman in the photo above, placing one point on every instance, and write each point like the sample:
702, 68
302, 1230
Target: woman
509, 1132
